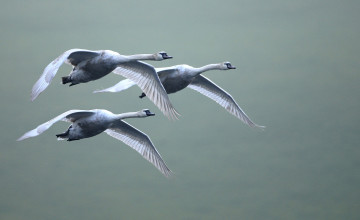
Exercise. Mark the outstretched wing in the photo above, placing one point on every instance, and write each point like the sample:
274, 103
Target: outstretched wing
139, 142
120, 86
69, 116
214, 92
73, 56
145, 76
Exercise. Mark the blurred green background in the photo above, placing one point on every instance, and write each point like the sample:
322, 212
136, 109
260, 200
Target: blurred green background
297, 73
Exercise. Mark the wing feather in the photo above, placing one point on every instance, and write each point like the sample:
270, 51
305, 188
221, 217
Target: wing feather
69, 116
140, 142
206, 87
145, 76
51, 69
120, 86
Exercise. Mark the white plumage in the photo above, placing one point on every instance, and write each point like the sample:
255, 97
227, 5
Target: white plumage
88, 123
92, 65
176, 78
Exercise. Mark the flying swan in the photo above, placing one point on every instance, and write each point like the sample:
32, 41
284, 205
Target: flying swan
176, 78
88, 123
92, 65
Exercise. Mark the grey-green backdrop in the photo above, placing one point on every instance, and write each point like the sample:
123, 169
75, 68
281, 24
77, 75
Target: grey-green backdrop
297, 73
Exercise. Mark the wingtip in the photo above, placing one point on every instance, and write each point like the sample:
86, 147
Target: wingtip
262, 128
102, 91
20, 138
35, 91
32, 98
169, 174
33, 95
174, 116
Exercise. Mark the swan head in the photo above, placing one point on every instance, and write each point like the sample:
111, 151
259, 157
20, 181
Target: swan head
227, 66
162, 55
146, 113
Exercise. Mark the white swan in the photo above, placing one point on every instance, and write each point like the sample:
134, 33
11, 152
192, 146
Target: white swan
88, 123
176, 78
91, 65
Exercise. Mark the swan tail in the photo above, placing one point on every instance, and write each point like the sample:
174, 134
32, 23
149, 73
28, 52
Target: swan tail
65, 79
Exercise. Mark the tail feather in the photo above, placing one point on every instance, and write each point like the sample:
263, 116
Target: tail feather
65, 79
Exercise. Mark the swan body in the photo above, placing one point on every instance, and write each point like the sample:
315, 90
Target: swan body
179, 77
88, 123
91, 65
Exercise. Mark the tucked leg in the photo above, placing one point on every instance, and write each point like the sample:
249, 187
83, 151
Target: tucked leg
65, 134
65, 79
142, 95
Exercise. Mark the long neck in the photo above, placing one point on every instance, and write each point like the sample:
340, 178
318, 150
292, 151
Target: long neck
127, 115
141, 57
205, 68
